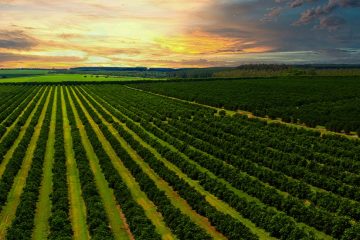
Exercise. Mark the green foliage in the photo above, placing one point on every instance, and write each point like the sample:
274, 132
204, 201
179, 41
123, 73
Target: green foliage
222, 113
140, 225
327, 101
59, 222
24, 220
13, 73
96, 217
70, 78
291, 183
257, 158
17, 158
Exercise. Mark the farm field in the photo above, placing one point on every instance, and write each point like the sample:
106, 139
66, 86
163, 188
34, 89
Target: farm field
92, 161
331, 102
60, 78
12, 73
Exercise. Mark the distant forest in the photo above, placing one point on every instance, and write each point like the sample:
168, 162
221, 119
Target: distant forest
251, 70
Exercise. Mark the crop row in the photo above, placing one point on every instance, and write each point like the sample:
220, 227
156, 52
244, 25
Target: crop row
24, 221
59, 222
9, 115
260, 154
140, 226
247, 160
220, 188
15, 161
335, 226
328, 101
241, 187
95, 213
8, 140
181, 224
290, 146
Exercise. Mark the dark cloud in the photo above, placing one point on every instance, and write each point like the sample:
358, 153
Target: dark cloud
9, 57
299, 3
164, 61
14, 57
324, 10
243, 22
273, 13
345, 56
16, 40
254, 30
330, 52
325, 56
331, 23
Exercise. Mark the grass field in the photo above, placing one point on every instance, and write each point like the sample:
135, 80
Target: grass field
23, 71
58, 78
112, 162
13, 73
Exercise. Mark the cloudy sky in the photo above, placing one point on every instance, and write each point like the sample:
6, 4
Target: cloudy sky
173, 33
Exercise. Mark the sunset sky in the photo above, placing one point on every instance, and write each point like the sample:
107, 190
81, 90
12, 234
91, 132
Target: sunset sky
173, 33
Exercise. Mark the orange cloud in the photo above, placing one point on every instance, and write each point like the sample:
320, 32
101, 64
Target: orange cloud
112, 33
195, 43
261, 49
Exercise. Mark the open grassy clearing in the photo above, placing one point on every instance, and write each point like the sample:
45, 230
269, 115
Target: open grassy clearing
41, 228
117, 223
77, 205
7, 214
